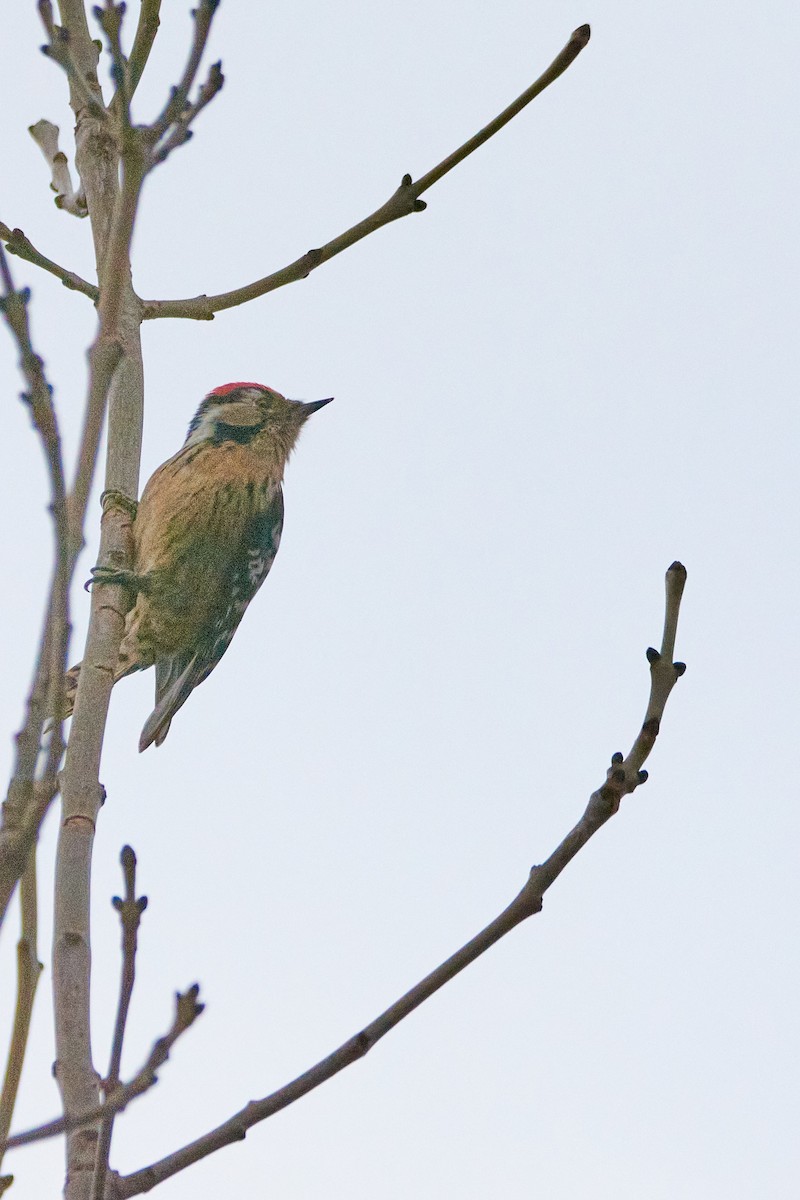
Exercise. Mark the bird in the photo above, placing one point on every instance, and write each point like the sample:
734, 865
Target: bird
205, 535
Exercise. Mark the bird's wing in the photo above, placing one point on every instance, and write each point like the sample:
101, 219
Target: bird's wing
176, 677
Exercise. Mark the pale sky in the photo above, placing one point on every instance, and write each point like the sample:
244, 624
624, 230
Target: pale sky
576, 366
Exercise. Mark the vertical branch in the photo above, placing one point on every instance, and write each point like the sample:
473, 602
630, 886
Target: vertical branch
28, 971
130, 911
82, 793
116, 381
28, 798
104, 143
146, 30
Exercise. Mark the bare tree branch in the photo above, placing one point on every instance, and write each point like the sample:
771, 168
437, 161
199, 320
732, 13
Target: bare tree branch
578, 39
17, 243
203, 16
102, 146
622, 777
60, 50
404, 201
115, 380
116, 383
146, 30
28, 971
180, 130
187, 1010
28, 798
110, 18
130, 911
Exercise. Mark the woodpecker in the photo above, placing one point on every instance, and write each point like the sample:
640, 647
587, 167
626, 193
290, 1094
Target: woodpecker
206, 533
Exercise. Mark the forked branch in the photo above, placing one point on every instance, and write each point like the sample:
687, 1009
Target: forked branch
175, 107
187, 1010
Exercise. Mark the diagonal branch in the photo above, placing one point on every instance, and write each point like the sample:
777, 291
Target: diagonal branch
579, 39
404, 201
623, 776
130, 911
17, 243
180, 130
187, 1010
203, 15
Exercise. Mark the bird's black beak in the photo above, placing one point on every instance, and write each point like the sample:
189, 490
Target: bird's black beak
313, 405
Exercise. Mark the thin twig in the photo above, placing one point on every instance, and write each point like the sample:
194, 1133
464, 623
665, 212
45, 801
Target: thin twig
107, 350
146, 30
187, 1010
59, 49
622, 777
28, 971
404, 201
109, 18
579, 39
203, 15
23, 810
180, 130
21, 819
130, 909
17, 243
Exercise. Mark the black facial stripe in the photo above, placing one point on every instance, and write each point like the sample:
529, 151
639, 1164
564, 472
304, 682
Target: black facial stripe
234, 433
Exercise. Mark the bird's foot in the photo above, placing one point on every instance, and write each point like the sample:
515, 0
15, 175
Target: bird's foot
128, 579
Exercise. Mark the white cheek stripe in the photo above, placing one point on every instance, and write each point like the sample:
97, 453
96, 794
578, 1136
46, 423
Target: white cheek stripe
206, 429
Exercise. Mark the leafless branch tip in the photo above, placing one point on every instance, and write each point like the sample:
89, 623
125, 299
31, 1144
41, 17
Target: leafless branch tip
29, 793
130, 909
623, 776
17, 243
187, 1010
403, 201
59, 49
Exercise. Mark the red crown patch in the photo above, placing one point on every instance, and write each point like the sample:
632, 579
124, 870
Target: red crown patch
224, 388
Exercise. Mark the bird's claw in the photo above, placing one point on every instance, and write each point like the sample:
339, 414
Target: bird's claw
123, 578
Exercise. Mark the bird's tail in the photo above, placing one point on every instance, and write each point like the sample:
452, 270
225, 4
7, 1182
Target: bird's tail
176, 677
